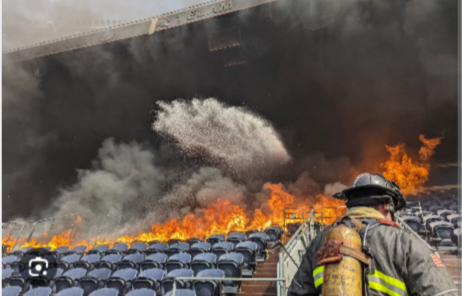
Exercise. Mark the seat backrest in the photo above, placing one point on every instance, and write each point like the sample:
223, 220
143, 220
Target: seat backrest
153, 273
136, 258
71, 258
79, 249
141, 292
216, 238
100, 273
41, 291
74, 291
11, 291
181, 292
92, 258
105, 292
230, 263
75, 273
192, 241
158, 248
99, 249
182, 257
127, 274
274, 233
7, 272
141, 247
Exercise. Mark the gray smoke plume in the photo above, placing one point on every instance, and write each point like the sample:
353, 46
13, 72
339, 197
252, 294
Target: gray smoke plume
226, 134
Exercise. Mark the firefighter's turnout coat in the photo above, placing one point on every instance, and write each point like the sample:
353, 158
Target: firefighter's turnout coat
401, 265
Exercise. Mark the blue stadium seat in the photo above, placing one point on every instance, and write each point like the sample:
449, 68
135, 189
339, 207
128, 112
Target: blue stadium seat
137, 248
236, 237
94, 280
174, 241
216, 238
141, 292
45, 280
154, 261
8, 261
66, 262
11, 291
117, 249
105, 292
181, 292
232, 264
19, 280
149, 279
121, 280
74, 291
249, 251
76, 250
274, 233
21, 252
87, 262
199, 248
167, 282
69, 278
177, 248
6, 274
131, 261
41, 291
178, 261
157, 248
208, 287
261, 239
109, 261
222, 248
192, 241
100, 250
203, 261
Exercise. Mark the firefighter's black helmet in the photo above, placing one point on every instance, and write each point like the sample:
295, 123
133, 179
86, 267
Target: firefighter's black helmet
372, 189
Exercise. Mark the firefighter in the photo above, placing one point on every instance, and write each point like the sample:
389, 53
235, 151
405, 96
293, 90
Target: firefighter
399, 264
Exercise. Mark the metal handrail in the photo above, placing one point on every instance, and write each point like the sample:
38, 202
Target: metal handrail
220, 279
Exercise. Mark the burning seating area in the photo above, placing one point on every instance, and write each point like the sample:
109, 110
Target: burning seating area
122, 269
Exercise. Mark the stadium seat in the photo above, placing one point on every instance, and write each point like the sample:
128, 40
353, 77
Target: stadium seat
208, 287
222, 248
413, 222
94, 280
217, 238
137, 248
249, 232
249, 251
430, 219
192, 241
173, 241
100, 250
87, 262
232, 264
178, 261
117, 249
154, 261
21, 252
236, 237
177, 248
444, 213
8, 261
453, 219
19, 280
141, 292
443, 231
121, 280
199, 248
41, 291
149, 279
261, 239
274, 233
181, 292
69, 278
109, 261
76, 250
11, 291
74, 291
104, 292
6, 274
157, 248
61, 250
167, 282
44, 280
202, 262
67, 262
131, 261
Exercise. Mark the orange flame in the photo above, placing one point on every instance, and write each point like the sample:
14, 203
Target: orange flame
409, 174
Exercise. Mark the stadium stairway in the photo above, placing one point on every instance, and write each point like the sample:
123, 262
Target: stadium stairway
452, 265
268, 269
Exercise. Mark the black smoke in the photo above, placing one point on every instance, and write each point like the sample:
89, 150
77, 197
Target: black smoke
338, 82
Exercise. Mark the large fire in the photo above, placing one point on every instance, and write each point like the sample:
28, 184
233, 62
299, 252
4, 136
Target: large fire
407, 173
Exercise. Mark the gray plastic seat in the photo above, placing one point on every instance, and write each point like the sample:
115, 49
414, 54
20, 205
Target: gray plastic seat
131, 261
261, 239
121, 280
413, 222
231, 264
66, 262
203, 262
117, 249
178, 261
149, 279
431, 218
236, 237
109, 261
99, 250
44, 281
79, 249
74, 291
222, 248
67, 280
141, 292
105, 292
88, 261
157, 248
192, 241
199, 248
208, 287
274, 234
181, 292
177, 248
94, 280
216, 238
137, 248
9, 260
11, 291
41, 291
6, 274
156, 260
249, 250
167, 282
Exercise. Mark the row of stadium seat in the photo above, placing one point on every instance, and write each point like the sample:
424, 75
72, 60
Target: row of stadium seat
75, 291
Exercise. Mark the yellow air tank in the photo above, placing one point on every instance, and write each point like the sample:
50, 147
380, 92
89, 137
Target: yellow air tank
343, 276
